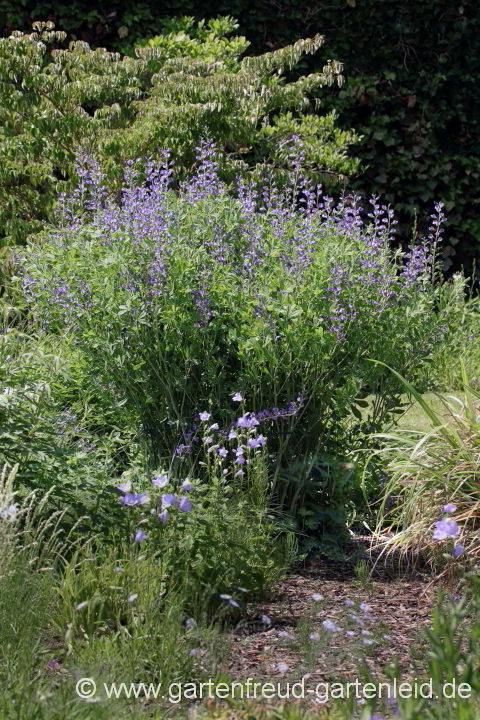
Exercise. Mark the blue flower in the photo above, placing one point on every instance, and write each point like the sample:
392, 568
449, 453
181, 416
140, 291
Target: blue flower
204, 416
449, 508
445, 529
186, 485
160, 481
184, 504
236, 397
458, 550
230, 600
139, 536
256, 442
134, 498
247, 421
169, 500
163, 516
330, 626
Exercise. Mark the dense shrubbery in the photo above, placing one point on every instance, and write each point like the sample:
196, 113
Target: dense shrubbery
411, 91
57, 101
173, 301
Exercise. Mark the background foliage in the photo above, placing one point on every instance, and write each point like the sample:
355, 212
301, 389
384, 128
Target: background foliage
58, 100
412, 85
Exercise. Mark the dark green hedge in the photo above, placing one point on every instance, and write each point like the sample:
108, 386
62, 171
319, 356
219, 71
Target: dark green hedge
412, 90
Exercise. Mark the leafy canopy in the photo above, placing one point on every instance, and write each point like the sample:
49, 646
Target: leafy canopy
59, 99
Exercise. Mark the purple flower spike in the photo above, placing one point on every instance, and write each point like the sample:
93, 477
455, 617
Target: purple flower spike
445, 529
160, 481
139, 536
458, 550
134, 498
449, 508
184, 504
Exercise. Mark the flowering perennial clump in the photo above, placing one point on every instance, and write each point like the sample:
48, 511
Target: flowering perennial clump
192, 297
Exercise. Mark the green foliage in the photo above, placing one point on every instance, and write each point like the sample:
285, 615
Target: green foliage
58, 100
191, 296
411, 90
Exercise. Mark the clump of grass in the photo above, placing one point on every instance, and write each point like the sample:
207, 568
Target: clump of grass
432, 473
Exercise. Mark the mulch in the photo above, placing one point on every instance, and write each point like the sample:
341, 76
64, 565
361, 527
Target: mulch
396, 607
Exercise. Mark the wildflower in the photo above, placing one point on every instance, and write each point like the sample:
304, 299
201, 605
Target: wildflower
256, 442
282, 667
449, 508
186, 485
314, 636
190, 623
52, 664
222, 452
316, 597
134, 498
132, 597
236, 397
169, 500
239, 473
445, 529
240, 460
458, 550
163, 516
242, 589
204, 416
232, 435
348, 602
160, 481
265, 620
184, 504
81, 605
139, 536
207, 440
350, 633
230, 600
125, 487
364, 607
247, 421
192, 652
284, 634
330, 626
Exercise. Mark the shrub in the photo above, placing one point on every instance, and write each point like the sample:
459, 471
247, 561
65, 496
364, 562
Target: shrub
411, 95
176, 301
57, 101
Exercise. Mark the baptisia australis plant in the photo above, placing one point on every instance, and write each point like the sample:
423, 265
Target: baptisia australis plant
177, 298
